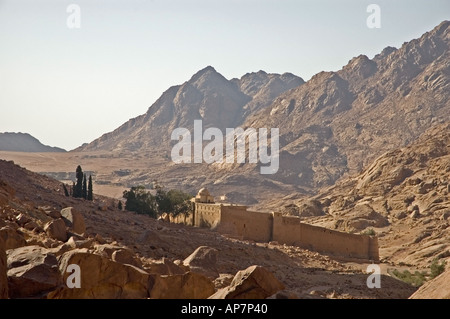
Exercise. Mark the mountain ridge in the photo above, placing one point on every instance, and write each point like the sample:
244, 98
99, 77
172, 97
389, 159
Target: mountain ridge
333, 125
24, 142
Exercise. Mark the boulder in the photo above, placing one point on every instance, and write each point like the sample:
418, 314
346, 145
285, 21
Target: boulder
53, 214
11, 238
74, 220
186, 286
203, 261
307, 208
437, 288
32, 272
32, 225
125, 256
56, 229
101, 278
401, 215
73, 242
3, 271
165, 267
106, 250
255, 282
22, 219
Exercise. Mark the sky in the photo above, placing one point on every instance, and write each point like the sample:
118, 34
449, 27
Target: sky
67, 78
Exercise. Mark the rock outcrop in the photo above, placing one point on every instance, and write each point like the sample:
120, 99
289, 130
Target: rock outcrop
32, 271
11, 238
203, 261
437, 288
255, 282
56, 229
73, 219
101, 278
185, 286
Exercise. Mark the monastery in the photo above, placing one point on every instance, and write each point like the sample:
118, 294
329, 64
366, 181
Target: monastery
236, 221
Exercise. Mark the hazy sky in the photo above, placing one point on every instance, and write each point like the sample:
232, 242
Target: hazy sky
69, 86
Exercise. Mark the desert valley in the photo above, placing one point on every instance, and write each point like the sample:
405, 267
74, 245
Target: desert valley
364, 151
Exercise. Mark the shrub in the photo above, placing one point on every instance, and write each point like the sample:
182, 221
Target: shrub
370, 232
436, 268
417, 279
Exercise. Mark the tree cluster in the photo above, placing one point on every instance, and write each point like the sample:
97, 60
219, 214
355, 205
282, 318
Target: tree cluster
82, 188
172, 202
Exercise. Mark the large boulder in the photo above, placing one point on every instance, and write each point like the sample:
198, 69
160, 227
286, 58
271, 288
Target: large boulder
165, 267
11, 238
106, 250
56, 229
203, 261
3, 271
32, 271
74, 220
125, 256
255, 282
437, 288
73, 242
101, 278
186, 286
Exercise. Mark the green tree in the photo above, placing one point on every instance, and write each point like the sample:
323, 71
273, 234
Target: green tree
84, 188
140, 201
179, 202
162, 200
90, 192
120, 205
173, 202
78, 190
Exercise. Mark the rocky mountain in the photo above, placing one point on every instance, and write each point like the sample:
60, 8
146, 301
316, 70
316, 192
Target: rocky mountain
207, 96
329, 127
403, 197
340, 121
24, 142
263, 88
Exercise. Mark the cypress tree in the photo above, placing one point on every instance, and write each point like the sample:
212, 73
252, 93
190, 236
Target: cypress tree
84, 190
66, 192
78, 191
90, 192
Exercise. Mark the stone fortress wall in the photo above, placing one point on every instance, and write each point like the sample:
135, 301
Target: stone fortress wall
237, 221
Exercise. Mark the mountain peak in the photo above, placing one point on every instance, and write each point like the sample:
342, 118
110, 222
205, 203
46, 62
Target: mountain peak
441, 27
386, 51
209, 70
24, 142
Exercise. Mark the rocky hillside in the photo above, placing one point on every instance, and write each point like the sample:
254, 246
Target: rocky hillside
23, 142
403, 197
331, 126
125, 255
339, 122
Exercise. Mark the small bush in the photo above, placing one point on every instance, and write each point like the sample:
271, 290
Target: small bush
417, 279
436, 268
370, 232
